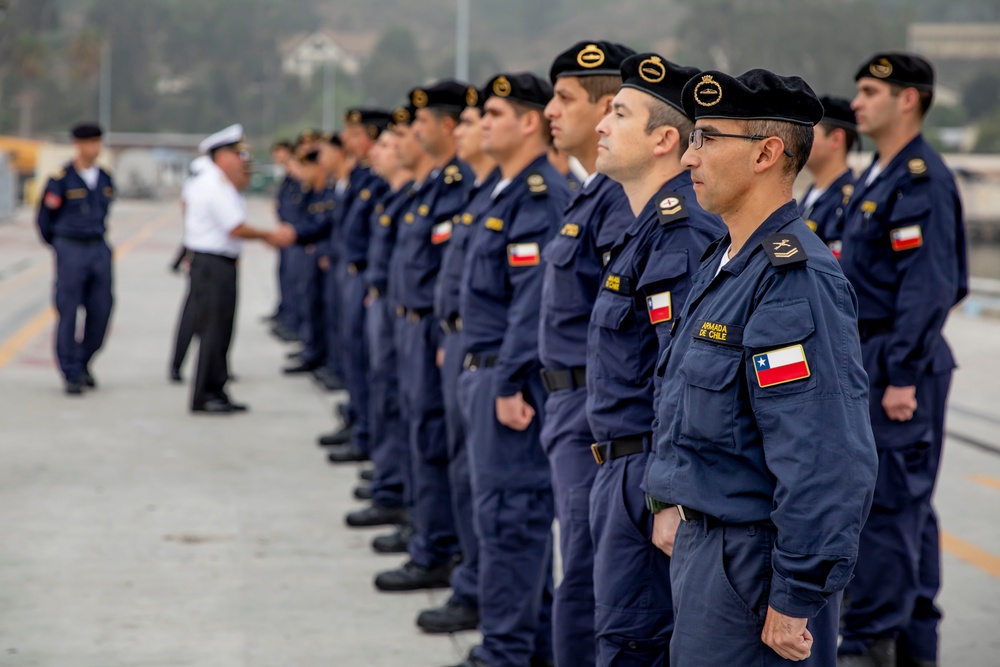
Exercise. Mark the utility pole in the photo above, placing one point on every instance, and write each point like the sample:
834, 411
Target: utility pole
329, 94
462, 40
104, 88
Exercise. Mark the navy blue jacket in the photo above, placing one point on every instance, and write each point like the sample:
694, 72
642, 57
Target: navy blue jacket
763, 410
385, 223
287, 199
574, 260
826, 215
502, 282
398, 258
316, 212
352, 229
69, 208
649, 270
904, 252
426, 230
447, 289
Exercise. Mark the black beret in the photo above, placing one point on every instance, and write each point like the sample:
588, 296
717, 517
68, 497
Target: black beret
402, 116
310, 157
904, 69
308, 136
590, 58
378, 118
334, 140
87, 131
524, 87
754, 95
474, 97
448, 94
657, 76
837, 112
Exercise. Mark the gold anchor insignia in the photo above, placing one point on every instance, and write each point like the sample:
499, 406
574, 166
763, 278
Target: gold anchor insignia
471, 96
401, 116
419, 98
652, 70
501, 86
881, 68
590, 56
707, 88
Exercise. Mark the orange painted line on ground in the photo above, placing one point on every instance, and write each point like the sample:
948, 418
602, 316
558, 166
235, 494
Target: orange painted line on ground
971, 554
44, 319
986, 480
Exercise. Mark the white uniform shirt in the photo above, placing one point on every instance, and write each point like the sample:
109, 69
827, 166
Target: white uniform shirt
213, 208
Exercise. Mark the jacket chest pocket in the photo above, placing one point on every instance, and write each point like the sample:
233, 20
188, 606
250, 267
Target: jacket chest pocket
614, 339
711, 391
566, 276
487, 271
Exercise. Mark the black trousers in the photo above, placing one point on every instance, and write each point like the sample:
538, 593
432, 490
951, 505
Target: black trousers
185, 330
213, 296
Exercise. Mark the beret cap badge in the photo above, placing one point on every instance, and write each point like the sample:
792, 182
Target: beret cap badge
401, 116
501, 87
419, 98
707, 92
590, 56
652, 70
881, 68
471, 96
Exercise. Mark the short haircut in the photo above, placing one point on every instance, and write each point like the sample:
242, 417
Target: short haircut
798, 140
441, 114
521, 109
661, 113
851, 138
283, 143
599, 86
926, 97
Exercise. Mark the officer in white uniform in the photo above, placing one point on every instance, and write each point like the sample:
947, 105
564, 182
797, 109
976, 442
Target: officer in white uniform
214, 230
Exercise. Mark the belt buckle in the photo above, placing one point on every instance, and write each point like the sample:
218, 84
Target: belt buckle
458, 324
469, 366
400, 311
352, 269
595, 449
682, 512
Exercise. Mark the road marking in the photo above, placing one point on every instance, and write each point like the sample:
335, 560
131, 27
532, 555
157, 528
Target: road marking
986, 480
971, 554
45, 318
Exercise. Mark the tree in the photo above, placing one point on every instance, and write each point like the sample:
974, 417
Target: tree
394, 67
982, 95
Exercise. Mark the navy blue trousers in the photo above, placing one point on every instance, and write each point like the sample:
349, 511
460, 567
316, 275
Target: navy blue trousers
285, 312
513, 515
83, 280
390, 451
566, 438
434, 542
634, 608
465, 577
354, 345
310, 297
331, 321
721, 580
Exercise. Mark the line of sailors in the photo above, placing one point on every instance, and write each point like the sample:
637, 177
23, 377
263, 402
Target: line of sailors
520, 346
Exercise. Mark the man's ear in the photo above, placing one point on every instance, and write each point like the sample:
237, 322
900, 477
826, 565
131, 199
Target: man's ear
772, 149
668, 139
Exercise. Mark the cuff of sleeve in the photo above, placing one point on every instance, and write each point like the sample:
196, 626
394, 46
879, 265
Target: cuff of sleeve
900, 376
791, 602
504, 387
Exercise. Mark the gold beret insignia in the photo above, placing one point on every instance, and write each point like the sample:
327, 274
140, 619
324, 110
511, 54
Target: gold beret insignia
401, 116
471, 96
652, 70
708, 92
501, 87
419, 98
881, 68
590, 56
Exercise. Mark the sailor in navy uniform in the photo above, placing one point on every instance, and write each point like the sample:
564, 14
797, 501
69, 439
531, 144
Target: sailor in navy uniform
765, 463
585, 77
72, 219
905, 254
646, 281
825, 202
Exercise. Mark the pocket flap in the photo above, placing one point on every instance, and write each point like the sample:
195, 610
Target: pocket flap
710, 366
610, 311
663, 267
560, 251
788, 323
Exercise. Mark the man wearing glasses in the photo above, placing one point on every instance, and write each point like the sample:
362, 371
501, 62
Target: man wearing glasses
765, 462
214, 229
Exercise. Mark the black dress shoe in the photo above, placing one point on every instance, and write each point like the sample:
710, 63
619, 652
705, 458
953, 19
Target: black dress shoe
449, 617
329, 381
346, 454
363, 492
376, 515
175, 376
472, 661
413, 577
74, 388
88, 380
297, 354
366, 474
396, 542
340, 437
219, 406
301, 368
541, 662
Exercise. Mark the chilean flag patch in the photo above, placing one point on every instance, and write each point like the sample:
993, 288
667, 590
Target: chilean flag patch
780, 366
523, 254
440, 232
659, 307
52, 200
836, 247
906, 238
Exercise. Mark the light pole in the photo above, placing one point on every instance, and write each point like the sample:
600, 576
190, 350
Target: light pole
462, 40
329, 94
104, 88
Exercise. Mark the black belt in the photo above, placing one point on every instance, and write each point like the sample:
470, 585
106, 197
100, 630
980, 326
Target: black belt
476, 361
871, 328
689, 514
571, 378
213, 255
451, 325
85, 240
413, 314
354, 268
616, 449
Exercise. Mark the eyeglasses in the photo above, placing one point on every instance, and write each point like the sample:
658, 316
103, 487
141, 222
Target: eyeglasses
697, 138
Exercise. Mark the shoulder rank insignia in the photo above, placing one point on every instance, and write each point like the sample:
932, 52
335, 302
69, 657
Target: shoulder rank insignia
409, 218
384, 220
811, 224
784, 250
906, 238
440, 232
671, 208
59, 175
847, 191
570, 229
536, 184
493, 224
780, 366
467, 218
452, 174
917, 167
523, 254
